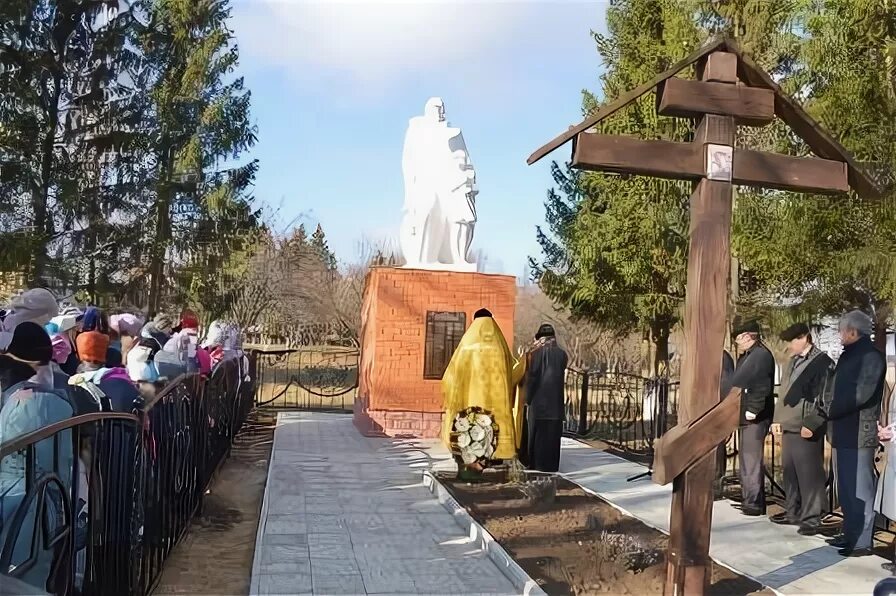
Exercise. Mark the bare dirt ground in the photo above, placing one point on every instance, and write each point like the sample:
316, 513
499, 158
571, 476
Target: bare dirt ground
579, 544
215, 556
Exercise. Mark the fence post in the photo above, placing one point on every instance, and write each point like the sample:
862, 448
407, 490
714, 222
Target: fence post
583, 405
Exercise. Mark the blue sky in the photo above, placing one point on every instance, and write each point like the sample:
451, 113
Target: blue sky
334, 84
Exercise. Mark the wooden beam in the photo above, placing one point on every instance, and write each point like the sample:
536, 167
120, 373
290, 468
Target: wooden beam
628, 155
718, 67
683, 446
805, 127
623, 100
691, 99
782, 172
705, 309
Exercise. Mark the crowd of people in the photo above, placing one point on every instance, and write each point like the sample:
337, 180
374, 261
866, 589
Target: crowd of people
60, 360
817, 400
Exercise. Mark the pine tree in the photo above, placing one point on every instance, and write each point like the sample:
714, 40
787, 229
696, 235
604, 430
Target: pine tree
823, 255
318, 244
616, 250
60, 68
196, 118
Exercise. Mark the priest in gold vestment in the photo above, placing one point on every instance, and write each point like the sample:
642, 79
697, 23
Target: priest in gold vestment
480, 374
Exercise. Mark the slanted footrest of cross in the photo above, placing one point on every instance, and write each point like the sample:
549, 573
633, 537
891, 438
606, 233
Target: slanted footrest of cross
684, 445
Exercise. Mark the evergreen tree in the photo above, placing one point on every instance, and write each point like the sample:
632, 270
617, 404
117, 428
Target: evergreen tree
318, 244
61, 63
826, 254
196, 119
616, 251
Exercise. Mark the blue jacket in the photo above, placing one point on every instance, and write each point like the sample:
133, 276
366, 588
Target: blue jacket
858, 389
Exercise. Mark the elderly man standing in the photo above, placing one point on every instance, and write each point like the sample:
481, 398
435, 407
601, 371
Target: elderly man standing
853, 414
755, 375
805, 386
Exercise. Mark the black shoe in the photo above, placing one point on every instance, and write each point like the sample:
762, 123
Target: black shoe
781, 518
807, 530
750, 511
839, 541
855, 552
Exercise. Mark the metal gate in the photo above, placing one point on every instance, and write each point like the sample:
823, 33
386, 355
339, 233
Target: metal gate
321, 378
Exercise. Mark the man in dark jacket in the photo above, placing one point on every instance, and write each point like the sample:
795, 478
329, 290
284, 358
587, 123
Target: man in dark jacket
853, 414
545, 380
755, 375
805, 385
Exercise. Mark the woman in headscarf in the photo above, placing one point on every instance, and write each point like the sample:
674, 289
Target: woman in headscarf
36, 305
184, 344
479, 374
124, 330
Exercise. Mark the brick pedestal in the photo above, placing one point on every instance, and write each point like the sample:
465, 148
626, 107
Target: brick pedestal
393, 397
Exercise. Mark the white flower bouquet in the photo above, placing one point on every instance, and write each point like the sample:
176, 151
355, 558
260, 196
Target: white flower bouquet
475, 435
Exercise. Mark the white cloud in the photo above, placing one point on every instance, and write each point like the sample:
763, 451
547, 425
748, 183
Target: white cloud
374, 43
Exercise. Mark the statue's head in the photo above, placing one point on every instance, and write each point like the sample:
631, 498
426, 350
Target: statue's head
435, 109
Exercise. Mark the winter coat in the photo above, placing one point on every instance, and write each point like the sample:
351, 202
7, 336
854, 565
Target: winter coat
804, 391
755, 375
858, 389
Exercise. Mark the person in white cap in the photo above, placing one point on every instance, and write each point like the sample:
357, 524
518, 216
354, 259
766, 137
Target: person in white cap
36, 305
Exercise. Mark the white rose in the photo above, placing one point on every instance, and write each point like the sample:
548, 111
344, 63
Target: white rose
477, 449
462, 425
463, 440
467, 456
477, 433
483, 420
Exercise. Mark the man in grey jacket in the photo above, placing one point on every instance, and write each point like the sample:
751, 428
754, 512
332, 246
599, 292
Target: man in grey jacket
806, 382
853, 414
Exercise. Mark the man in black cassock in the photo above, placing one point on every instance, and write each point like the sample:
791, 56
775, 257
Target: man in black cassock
545, 382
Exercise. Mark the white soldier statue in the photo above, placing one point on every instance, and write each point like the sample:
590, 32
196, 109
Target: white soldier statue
440, 193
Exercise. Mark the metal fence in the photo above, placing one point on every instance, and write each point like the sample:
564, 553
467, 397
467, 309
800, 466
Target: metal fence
629, 412
309, 378
95, 504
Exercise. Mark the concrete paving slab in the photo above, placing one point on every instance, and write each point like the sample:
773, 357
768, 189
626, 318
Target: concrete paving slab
771, 554
345, 514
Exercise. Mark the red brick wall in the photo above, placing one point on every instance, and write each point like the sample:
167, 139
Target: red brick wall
393, 398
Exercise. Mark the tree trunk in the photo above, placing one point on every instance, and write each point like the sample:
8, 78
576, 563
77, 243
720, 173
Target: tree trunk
40, 197
646, 354
881, 315
660, 337
162, 235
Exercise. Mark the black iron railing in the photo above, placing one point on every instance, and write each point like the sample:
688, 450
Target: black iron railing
629, 412
95, 504
310, 378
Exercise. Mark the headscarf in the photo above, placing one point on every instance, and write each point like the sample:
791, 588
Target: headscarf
36, 305
92, 346
126, 324
62, 348
189, 320
164, 323
93, 320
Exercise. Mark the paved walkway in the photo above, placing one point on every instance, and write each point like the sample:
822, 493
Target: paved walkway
344, 514
774, 555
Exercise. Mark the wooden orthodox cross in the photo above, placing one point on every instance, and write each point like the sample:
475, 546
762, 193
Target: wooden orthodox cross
730, 90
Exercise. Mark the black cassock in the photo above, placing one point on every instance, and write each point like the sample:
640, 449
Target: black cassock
545, 383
